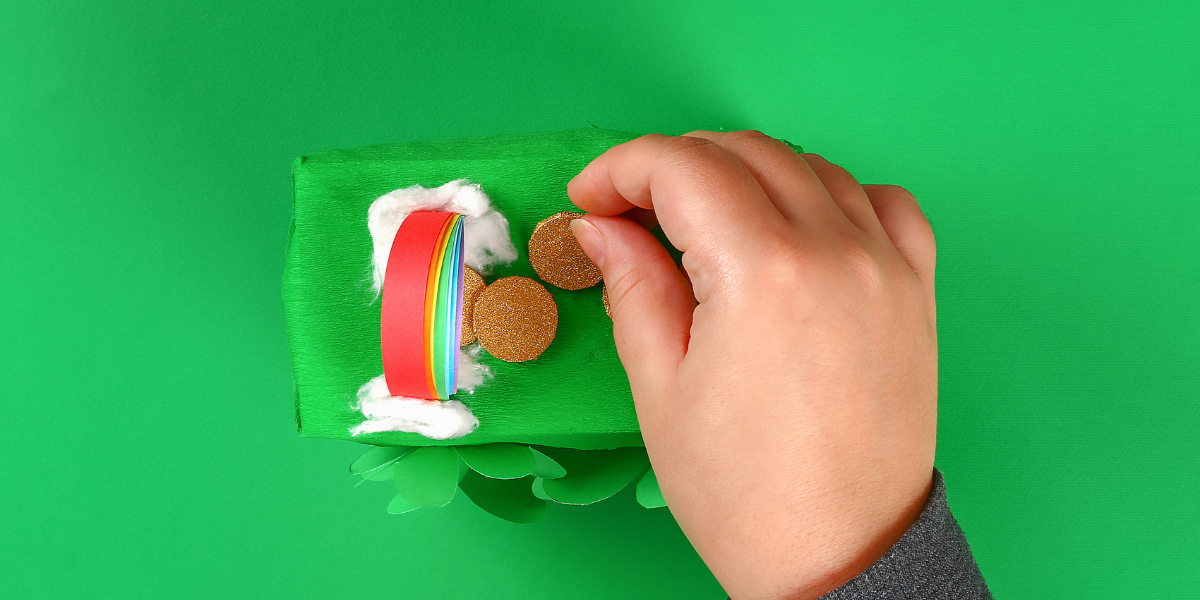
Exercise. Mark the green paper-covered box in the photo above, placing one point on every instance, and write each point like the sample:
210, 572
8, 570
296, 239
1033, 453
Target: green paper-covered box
575, 395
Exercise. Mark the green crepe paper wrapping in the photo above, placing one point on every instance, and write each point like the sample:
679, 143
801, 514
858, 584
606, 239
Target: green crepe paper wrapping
575, 395
573, 402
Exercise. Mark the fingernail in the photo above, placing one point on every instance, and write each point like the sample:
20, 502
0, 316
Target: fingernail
590, 239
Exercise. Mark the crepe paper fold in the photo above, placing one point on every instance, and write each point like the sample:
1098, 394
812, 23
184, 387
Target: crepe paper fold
509, 499
648, 493
499, 461
594, 475
428, 476
422, 301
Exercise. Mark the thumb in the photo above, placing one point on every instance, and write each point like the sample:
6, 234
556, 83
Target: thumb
650, 300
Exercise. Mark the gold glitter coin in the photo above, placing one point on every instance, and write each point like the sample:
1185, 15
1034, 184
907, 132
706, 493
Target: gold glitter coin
472, 285
515, 319
557, 257
604, 299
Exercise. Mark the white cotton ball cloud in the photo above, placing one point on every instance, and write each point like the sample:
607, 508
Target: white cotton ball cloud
434, 419
486, 243
471, 373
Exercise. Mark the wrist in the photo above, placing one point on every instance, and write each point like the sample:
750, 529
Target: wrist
814, 551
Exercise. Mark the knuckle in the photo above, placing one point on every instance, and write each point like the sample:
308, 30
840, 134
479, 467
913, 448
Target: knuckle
686, 144
782, 265
852, 256
835, 170
849, 252
920, 220
752, 135
927, 238
835, 174
812, 158
909, 208
691, 154
898, 193
761, 145
848, 261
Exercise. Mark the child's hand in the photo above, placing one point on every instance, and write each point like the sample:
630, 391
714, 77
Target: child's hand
786, 386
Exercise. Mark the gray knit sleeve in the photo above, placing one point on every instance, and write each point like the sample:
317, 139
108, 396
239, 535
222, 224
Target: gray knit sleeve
931, 561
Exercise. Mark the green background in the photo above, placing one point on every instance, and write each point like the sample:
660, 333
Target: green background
147, 447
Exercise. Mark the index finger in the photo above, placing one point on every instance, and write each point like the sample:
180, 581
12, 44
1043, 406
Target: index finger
701, 193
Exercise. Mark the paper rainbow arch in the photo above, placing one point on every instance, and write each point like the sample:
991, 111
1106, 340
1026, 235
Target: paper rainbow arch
421, 314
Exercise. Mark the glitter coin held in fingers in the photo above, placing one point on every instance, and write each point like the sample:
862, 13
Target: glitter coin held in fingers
604, 299
515, 319
557, 256
472, 286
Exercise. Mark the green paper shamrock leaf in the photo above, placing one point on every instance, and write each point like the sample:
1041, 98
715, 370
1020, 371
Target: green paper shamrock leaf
511, 481
428, 476
385, 473
539, 490
399, 505
593, 475
499, 461
648, 493
509, 499
545, 467
377, 458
